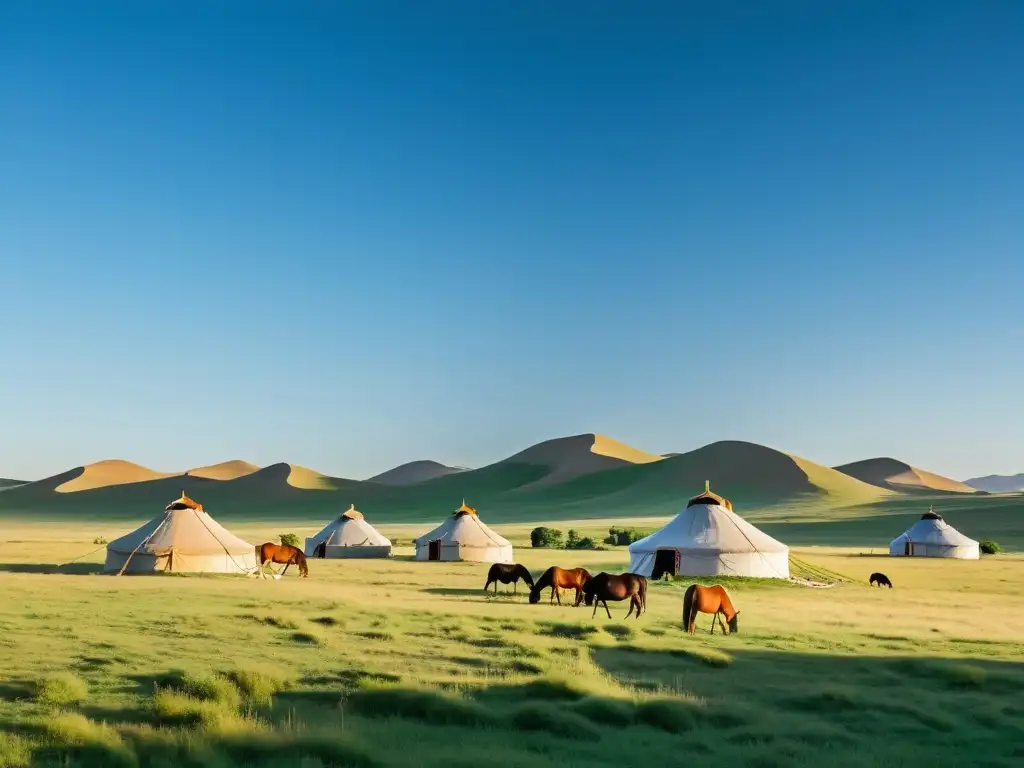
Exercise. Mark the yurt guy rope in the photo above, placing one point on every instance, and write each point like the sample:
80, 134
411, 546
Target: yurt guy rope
142, 543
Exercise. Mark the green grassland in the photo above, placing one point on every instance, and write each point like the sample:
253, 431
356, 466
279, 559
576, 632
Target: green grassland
398, 663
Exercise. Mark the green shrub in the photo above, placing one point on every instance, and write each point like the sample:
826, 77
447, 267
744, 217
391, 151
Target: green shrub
622, 537
547, 538
989, 547
574, 541
289, 539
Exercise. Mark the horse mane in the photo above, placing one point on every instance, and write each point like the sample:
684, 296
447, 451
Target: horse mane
523, 572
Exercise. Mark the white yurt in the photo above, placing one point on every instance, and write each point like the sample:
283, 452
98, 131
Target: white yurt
931, 536
183, 539
709, 539
463, 536
349, 535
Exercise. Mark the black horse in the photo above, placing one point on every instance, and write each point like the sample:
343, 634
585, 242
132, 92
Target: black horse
880, 579
507, 573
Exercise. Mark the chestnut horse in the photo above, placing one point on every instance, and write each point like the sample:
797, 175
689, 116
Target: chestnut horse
560, 578
713, 599
507, 573
281, 553
623, 586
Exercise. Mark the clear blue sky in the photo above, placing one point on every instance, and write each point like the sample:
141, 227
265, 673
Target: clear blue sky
350, 235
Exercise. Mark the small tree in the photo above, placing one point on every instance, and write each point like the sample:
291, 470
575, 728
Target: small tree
989, 547
289, 539
548, 538
572, 540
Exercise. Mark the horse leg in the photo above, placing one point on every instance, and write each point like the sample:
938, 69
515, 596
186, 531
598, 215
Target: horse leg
714, 618
606, 608
596, 603
558, 597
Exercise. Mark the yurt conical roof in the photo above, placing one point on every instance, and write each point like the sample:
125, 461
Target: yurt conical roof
183, 538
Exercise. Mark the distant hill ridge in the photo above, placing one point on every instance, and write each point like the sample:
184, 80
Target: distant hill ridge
415, 472
998, 483
897, 475
587, 475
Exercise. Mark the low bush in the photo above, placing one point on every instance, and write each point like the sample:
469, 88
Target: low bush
621, 537
574, 541
100, 540
989, 547
290, 539
546, 538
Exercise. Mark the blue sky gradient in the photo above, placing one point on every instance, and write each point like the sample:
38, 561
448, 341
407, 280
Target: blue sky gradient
349, 235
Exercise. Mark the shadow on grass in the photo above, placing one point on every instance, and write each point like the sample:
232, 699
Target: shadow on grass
71, 569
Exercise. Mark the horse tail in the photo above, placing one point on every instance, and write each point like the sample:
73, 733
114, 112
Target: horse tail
688, 605
259, 554
300, 560
643, 592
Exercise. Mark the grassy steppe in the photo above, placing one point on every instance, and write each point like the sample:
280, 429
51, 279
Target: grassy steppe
397, 663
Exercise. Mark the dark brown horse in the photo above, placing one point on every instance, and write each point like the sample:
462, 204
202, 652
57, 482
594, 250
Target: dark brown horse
623, 586
713, 599
507, 573
281, 553
560, 578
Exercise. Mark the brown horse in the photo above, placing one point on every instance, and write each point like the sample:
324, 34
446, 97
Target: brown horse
507, 573
623, 586
713, 599
560, 578
281, 553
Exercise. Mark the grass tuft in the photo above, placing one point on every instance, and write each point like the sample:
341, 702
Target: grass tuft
607, 711
672, 715
61, 690
309, 637
549, 718
257, 685
433, 707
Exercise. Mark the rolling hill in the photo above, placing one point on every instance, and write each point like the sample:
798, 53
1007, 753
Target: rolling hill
573, 478
225, 470
6, 482
101, 474
414, 472
578, 476
900, 476
565, 458
998, 483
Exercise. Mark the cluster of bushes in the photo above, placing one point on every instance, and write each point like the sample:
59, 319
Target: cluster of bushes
552, 538
989, 547
622, 537
290, 539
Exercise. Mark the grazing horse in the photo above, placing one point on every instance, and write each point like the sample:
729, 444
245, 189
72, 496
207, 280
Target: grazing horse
280, 553
713, 599
881, 579
507, 573
623, 586
560, 578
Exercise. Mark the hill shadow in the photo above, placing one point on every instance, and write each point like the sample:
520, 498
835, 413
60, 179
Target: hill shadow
71, 569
